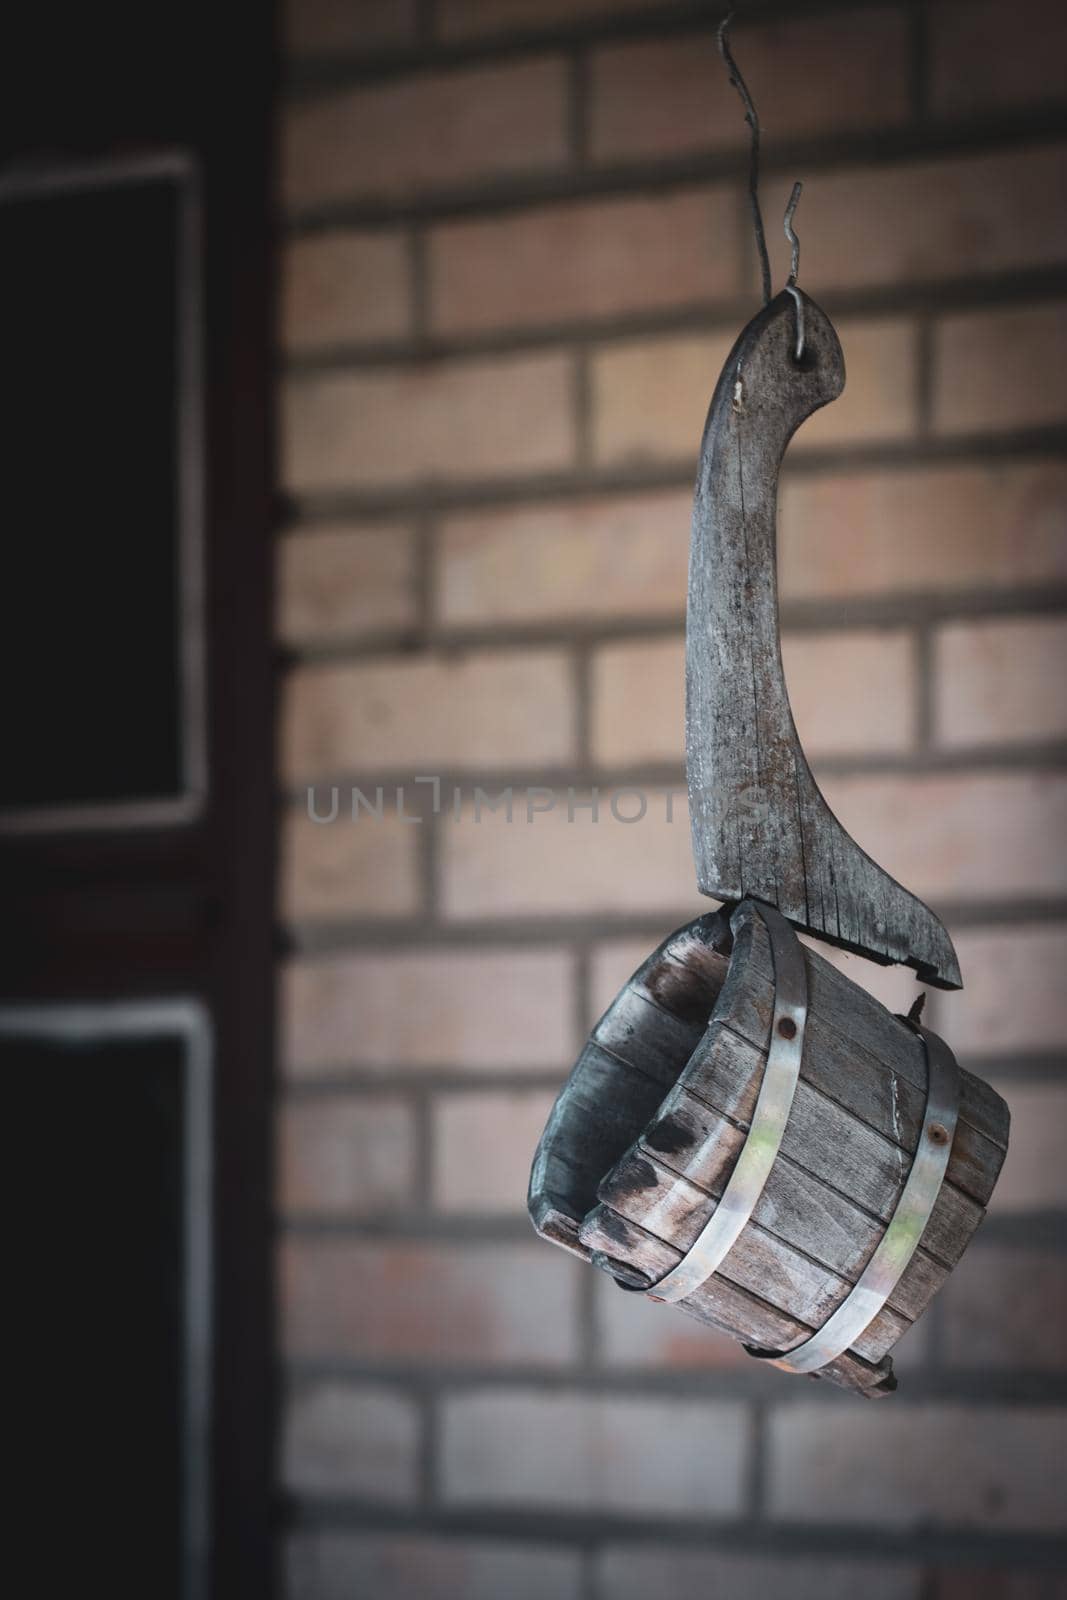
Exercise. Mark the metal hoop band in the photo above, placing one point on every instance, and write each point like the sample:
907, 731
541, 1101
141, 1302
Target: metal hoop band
901, 1238
753, 1166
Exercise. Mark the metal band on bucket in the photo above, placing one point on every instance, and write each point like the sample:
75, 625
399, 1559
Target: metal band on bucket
773, 1104
901, 1238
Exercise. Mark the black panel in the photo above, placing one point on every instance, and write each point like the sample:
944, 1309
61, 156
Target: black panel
137, 907
89, 655
96, 1358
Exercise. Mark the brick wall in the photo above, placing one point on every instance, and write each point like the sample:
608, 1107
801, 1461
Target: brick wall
516, 251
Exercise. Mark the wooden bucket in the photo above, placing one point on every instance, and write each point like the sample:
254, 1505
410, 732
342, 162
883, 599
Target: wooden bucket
650, 1139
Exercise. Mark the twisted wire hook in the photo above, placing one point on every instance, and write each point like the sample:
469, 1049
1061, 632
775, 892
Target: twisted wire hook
752, 119
794, 265
790, 231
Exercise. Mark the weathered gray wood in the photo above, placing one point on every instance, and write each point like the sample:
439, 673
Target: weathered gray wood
673, 1209
634, 1056
827, 1141
760, 824
644, 1137
795, 1207
827, 1137
589, 1128
670, 1180
648, 1038
687, 1123
847, 1017
719, 1303
688, 976
859, 1055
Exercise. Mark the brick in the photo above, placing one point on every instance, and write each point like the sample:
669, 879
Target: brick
560, 263
345, 1156
482, 1008
626, 1572
632, 1332
465, 19
931, 529
928, 220
405, 1303
881, 387
347, 1439
971, 72
343, 288
483, 710
340, 583
609, 557
1034, 1175
851, 691
638, 694
346, 870
1000, 681
324, 27
1006, 1308
651, 396
555, 866
483, 1144
1014, 998
582, 1452
960, 836
936, 1466
422, 133
442, 422
669, 97
1000, 369
337, 1566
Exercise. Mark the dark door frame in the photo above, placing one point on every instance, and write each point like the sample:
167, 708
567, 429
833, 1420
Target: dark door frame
186, 909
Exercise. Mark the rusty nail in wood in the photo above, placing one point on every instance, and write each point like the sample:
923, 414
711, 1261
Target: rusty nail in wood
787, 1028
938, 1133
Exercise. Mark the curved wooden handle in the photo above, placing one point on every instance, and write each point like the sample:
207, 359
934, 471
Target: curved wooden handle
760, 825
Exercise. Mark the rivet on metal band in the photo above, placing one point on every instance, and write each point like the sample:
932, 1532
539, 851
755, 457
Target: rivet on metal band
901, 1238
753, 1166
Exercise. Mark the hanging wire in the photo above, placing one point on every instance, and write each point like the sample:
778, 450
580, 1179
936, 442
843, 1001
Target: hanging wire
752, 119
794, 265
